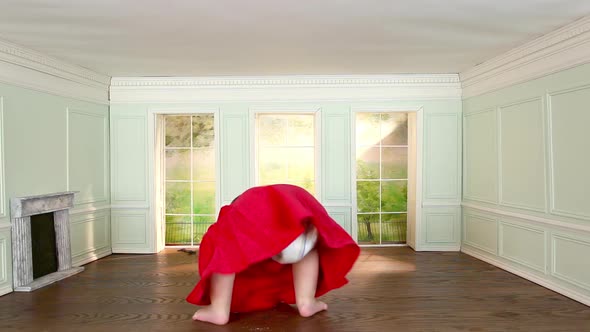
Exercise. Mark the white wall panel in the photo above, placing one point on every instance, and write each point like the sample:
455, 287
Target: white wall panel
524, 245
129, 159
570, 160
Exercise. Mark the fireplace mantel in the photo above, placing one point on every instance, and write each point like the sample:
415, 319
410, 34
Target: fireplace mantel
31, 205
21, 210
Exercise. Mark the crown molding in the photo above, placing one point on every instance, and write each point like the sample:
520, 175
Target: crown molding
33, 70
561, 49
284, 88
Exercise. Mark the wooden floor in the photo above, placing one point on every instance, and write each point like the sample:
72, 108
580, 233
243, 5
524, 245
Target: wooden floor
390, 289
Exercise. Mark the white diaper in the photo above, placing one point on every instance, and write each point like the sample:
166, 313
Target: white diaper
300, 247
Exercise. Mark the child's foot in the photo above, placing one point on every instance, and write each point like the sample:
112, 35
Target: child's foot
210, 315
311, 308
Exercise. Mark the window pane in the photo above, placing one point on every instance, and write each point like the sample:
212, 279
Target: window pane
272, 130
286, 150
203, 131
394, 163
300, 130
394, 196
178, 131
178, 230
394, 228
178, 164
200, 226
272, 165
204, 197
368, 228
178, 197
367, 128
367, 196
307, 185
367, 163
204, 164
394, 128
301, 164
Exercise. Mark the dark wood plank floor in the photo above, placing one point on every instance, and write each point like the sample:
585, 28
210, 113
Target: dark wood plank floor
390, 289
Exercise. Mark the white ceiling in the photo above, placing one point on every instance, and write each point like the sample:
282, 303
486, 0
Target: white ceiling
279, 37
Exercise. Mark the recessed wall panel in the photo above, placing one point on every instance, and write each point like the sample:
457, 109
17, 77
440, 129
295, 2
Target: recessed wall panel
235, 155
90, 233
342, 215
129, 159
570, 260
441, 156
570, 137
5, 262
441, 225
336, 157
523, 245
129, 230
481, 232
522, 155
480, 157
88, 155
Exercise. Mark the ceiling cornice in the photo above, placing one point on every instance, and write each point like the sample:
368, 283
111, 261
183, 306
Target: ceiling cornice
283, 88
561, 49
31, 69
293, 81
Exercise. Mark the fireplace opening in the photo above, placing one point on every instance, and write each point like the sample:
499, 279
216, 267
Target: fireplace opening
44, 246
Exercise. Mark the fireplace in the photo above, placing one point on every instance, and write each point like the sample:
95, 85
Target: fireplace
32, 220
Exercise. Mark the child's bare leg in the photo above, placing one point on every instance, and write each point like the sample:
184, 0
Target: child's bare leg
221, 292
305, 279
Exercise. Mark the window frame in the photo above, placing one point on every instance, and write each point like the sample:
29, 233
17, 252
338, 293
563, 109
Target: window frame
413, 227
158, 213
313, 110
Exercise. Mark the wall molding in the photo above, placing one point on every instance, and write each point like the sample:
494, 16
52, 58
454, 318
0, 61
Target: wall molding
502, 226
550, 112
556, 51
557, 274
141, 194
465, 240
285, 88
331, 122
465, 170
30, 69
428, 191
566, 225
453, 231
502, 108
77, 210
105, 152
529, 276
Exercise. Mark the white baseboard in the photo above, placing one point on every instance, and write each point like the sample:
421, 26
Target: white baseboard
5, 290
574, 295
91, 256
132, 251
426, 247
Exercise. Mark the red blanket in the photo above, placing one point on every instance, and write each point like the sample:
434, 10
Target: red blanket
255, 227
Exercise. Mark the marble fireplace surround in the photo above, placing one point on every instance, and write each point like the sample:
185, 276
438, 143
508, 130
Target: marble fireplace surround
21, 210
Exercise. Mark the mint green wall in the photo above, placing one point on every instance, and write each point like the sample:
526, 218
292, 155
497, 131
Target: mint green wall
54, 144
132, 210
526, 198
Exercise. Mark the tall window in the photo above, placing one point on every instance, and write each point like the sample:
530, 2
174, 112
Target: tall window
382, 177
285, 149
189, 151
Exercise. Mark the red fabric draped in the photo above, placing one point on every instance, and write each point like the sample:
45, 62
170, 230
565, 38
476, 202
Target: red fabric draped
255, 227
